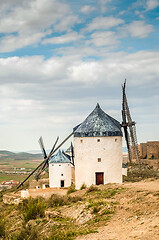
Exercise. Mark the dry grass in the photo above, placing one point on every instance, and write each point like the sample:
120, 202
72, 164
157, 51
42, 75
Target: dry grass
79, 213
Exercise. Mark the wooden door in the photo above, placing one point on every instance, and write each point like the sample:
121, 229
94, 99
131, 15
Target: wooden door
99, 178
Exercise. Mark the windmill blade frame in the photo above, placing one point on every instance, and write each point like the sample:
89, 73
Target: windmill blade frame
42, 147
127, 123
45, 160
46, 163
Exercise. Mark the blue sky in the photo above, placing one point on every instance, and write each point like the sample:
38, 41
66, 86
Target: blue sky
59, 58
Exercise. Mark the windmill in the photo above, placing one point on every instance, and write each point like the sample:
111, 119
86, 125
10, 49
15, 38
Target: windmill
129, 128
71, 154
46, 158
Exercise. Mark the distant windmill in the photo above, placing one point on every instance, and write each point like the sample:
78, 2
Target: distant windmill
46, 158
71, 154
128, 124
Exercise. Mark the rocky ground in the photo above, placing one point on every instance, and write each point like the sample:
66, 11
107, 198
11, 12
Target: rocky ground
136, 215
108, 212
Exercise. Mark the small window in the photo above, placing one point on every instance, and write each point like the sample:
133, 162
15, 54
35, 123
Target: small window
99, 159
98, 140
81, 140
61, 174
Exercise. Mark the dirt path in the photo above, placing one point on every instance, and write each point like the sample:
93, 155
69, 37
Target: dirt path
136, 217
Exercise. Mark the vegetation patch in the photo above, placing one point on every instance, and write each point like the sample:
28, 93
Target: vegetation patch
33, 208
136, 174
71, 189
69, 232
57, 201
92, 189
83, 186
2, 227
27, 232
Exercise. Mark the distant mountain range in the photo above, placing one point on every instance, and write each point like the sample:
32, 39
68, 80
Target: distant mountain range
19, 156
26, 156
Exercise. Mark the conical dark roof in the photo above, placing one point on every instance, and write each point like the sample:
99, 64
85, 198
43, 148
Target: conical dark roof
59, 158
98, 124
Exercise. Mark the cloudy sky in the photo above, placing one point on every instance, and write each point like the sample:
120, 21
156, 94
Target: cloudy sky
58, 58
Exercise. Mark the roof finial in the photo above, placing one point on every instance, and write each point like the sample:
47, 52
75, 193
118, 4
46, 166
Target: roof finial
97, 105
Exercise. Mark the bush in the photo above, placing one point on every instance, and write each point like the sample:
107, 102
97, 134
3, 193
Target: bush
27, 232
71, 189
107, 211
92, 189
95, 210
33, 208
136, 174
2, 227
56, 201
74, 199
83, 186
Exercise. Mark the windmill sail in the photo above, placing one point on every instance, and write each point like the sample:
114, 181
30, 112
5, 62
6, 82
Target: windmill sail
127, 123
47, 159
46, 163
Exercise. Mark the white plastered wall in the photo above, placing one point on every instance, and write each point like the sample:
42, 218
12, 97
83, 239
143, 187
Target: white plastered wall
59, 172
88, 150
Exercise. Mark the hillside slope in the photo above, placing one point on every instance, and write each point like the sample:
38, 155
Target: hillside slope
19, 156
114, 211
136, 217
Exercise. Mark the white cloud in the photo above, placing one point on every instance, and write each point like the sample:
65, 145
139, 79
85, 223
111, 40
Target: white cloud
103, 39
103, 4
49, 97
122, 12
103, 23
138, 29
69, 37
26, 23
151, 4
34, 16
87, 9
113, 66
13, 42
66, 23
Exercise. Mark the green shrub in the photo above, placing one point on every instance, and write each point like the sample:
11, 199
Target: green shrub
95, 209
74, 199
136, 174
83, 186
92, 189
33, 208
2, 227
56, 201
27, 232
95, 203
107, 211
71, 189
68, 233
110, 193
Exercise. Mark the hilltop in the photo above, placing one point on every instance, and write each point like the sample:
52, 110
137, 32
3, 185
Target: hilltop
19, 156
113, 211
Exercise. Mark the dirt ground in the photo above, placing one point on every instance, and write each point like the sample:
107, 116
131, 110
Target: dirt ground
136, 217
